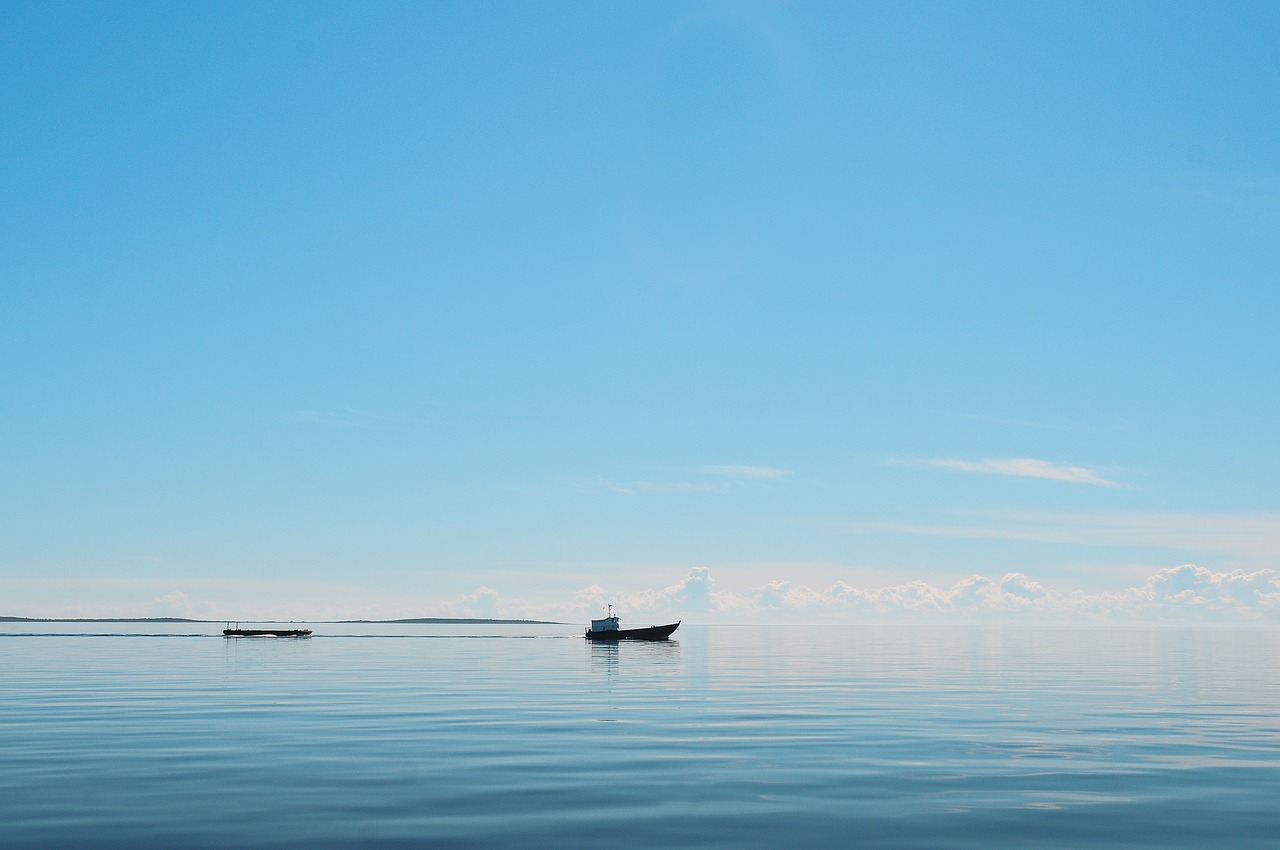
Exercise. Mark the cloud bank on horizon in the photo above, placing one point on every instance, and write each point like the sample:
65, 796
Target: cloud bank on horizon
1180, 594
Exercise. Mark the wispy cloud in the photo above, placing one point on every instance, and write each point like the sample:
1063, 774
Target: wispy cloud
1026, 467
749, 472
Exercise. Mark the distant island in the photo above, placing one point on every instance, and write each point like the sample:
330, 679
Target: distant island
102, 620
422, 620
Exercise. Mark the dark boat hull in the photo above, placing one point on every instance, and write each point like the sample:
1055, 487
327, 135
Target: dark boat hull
651, 633
266, 632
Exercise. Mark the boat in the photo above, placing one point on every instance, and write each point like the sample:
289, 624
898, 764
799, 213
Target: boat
607, 629
239, 632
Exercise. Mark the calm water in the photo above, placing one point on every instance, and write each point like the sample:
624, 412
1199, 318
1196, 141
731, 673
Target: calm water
473, 736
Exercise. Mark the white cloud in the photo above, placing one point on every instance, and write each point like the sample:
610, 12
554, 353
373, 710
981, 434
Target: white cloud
1178, 594
692, 594
482, 603
1024, 468
1189, 585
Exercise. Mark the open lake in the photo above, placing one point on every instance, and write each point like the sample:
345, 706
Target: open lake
167, 735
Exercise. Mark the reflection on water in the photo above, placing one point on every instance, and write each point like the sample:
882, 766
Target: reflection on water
609, 652
728, 737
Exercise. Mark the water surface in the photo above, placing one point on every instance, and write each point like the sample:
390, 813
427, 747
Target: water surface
158, 735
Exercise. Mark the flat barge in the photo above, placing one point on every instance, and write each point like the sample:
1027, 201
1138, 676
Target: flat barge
239, 632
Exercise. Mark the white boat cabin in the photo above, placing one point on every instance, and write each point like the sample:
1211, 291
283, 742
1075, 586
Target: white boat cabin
608, 624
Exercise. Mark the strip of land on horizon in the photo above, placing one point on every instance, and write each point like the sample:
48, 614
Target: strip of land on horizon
412, 620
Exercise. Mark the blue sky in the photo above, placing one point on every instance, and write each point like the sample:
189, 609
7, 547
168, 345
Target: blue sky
727, 310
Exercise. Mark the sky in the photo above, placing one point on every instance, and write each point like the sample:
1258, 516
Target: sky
758, 312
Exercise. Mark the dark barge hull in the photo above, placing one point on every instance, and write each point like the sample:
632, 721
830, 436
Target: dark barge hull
651, 633
266, 632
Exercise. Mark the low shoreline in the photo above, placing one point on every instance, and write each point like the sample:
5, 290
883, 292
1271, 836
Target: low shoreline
411, 621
